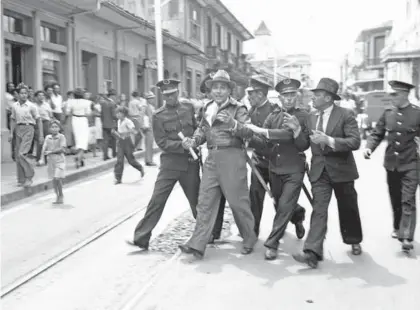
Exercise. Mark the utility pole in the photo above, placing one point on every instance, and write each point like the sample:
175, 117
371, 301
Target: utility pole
159, 43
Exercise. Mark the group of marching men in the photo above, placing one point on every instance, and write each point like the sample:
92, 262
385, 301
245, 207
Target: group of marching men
279, 136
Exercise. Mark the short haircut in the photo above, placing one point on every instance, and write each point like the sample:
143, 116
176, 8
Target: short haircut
70, 92
135, 94
79, 93
39, 92
123, 110
47, 86
56, 122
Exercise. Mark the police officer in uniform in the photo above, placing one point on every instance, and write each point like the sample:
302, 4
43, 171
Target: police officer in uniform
260, 110
176, 163
402, 123
286, 164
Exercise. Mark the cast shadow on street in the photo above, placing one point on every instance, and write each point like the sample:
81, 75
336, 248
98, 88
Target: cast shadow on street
414, 254
362, 267
64, 206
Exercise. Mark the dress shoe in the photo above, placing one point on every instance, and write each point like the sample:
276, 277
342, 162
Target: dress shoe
407, 245
356, 249
394, 234
116, 182
152, 164
307, 258
27, 183
130, 242
246, 251
300, 230
270, 254
187, 250
59, 201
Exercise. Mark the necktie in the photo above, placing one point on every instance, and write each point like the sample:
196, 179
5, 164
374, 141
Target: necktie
320, 126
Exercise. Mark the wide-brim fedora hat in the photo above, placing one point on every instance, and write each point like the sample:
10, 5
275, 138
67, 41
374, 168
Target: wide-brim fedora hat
330, 86
221, 76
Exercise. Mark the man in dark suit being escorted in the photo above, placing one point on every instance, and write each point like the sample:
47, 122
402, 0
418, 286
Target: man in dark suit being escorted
335, 136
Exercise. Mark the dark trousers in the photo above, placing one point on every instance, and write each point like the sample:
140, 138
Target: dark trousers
402, 187
348, 212
125, 150
165, 182
218, 226
108, 142
257, 195
286, 190
45, 129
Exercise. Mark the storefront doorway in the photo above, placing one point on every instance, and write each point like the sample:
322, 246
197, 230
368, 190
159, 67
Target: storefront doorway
90, 72
14, 64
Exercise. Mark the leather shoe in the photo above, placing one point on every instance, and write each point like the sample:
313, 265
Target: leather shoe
300, 230
246, 251
307, 258
130, 242
187, 250
394, 234
407, 246
356, 249
270, 254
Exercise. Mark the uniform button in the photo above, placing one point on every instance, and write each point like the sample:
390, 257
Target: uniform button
398, 133
399, 114
397, 143
399, 123
278, 155
396, 153
277, 144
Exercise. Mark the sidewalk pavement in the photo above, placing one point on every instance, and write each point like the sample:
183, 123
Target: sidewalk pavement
10, 192
381, 278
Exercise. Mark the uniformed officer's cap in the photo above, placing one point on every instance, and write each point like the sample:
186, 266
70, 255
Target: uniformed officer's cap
287, 86
203, 88
258, 83
400, 86
168, 86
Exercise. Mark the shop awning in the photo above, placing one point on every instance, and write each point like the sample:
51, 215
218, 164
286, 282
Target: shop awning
401, 56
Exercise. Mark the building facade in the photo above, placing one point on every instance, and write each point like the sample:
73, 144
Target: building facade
363, 69
402, 51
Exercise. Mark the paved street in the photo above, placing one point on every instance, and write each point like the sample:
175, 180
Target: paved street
107, 274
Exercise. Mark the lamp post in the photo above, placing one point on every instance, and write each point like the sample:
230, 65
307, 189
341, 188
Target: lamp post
159, 47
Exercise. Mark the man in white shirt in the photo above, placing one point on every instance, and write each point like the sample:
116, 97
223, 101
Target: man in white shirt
137, 111
57, 100
347, 102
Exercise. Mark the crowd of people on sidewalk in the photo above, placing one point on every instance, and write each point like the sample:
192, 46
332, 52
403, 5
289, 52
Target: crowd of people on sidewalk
86, 123
279, 135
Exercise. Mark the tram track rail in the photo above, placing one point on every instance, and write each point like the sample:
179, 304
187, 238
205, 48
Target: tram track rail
30, 276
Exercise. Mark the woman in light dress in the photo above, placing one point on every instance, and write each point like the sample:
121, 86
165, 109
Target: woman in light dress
80, 109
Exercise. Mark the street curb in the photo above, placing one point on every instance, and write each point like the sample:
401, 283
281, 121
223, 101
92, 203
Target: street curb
22, 193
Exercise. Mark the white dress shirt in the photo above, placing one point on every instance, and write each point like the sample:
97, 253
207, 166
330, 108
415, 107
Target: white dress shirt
325, 119
58, 102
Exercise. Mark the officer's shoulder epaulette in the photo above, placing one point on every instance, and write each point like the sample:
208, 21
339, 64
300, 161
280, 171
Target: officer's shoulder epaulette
159, 110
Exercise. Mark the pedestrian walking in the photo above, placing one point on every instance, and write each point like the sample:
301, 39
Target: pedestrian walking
54, 148
401, 124
125, 147
334, 137
46, 114
108, 118
24, 117
148, 129
286, 138
176, 163
80, 109
137, 112
225, 167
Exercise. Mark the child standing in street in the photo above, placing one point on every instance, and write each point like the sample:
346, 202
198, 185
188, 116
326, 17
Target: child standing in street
54, 148
126, 129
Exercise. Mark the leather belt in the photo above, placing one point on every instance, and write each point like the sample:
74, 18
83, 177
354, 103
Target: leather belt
79, 115
222, 147
26, 124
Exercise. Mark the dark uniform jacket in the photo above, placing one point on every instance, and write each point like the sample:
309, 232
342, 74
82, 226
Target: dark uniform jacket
168, 121
339, 162
221, 134
258, 116
285, 152
402, 126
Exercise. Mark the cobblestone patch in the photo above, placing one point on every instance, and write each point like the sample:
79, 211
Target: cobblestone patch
181, 229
